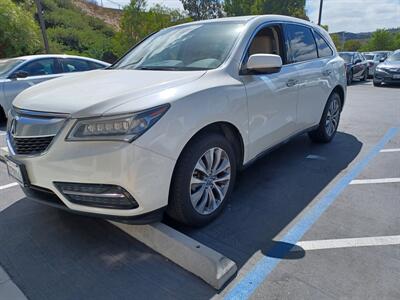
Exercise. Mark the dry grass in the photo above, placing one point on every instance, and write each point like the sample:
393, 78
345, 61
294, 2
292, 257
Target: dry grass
110, 16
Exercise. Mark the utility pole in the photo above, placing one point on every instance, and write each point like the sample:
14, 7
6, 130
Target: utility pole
42, 26
320, 11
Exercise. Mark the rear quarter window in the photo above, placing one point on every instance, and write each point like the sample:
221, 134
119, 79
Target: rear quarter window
323, 48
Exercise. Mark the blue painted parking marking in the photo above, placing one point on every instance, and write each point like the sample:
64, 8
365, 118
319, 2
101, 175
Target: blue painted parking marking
249, 283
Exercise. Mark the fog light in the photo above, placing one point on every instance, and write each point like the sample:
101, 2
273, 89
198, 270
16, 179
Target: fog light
97, 195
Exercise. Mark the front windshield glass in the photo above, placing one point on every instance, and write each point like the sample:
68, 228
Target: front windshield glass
184, 48
7, 65
346, 56
394, 57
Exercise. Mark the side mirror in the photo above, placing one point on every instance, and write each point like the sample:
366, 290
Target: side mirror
382, 59
357, 61
19, 74
264, 63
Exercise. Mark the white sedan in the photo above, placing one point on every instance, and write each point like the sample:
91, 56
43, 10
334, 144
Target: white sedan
167, 127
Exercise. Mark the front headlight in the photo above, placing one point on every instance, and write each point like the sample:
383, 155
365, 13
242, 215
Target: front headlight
380, 69
116, 128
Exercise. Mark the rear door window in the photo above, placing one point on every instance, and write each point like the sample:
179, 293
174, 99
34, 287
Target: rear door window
301, 43
75, 65
39, 67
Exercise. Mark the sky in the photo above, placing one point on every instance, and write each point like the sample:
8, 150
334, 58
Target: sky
340, 15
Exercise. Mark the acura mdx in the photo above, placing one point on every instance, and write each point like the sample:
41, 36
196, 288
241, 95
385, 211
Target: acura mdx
169, 125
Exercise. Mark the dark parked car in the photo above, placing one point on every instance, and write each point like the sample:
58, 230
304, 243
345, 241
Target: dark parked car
388, 71
356, 66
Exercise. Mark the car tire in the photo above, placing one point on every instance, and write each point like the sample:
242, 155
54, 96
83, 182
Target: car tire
350, 78
3, 117
329, 121
377, 83
193, 191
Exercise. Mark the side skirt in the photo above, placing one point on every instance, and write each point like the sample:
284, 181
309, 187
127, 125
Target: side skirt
273, 148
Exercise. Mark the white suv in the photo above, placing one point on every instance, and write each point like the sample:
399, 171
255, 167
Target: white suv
169, 125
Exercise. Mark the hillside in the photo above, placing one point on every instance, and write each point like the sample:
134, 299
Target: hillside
110, 16
344, 35
75, 27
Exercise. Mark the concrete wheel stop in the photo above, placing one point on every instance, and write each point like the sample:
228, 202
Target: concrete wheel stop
202, 261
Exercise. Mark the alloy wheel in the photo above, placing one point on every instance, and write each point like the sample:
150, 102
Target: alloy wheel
332, 117
210, 181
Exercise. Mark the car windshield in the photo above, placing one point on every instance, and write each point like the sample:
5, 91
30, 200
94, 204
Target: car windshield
346, 56
184, 48
8, 64
369, 56
394, 57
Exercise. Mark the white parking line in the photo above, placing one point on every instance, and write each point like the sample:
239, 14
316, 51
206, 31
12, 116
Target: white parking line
3, 187
347, 243
379, 180
390, 150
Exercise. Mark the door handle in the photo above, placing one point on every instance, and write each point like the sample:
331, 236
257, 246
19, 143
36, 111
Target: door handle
291, 82
326, 72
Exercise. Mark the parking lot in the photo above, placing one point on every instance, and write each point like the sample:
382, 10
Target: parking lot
306, 221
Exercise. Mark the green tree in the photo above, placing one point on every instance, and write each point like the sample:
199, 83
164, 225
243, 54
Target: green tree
294, 8
397, 41
336, 40
326, 27
238, 7
381, 39
203, 9
352, 45
19, 34
72, 31
137, 23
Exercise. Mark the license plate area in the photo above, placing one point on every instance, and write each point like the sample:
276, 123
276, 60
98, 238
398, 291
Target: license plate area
396, 76
17, 171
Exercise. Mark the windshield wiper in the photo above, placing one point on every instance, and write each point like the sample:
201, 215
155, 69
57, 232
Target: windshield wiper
156, 68
171, 68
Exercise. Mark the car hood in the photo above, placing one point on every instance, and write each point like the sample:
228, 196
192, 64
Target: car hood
94, 93
390, 64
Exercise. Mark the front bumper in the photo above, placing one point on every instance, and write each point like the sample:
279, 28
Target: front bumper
386, 77
47, 197
145, 175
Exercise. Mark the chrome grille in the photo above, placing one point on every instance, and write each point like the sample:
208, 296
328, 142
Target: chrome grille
30, 133
31, 146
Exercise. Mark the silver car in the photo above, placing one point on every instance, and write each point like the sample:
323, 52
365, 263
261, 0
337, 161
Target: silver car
20, 73
374, 59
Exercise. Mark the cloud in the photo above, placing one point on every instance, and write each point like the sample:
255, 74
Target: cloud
356, 15
339, 15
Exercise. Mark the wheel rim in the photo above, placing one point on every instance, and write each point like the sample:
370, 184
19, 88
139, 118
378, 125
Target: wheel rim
332, 117
210, 181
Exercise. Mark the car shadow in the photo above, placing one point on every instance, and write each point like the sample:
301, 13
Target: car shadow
390, 86
360, 82
51, 254
272, 193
